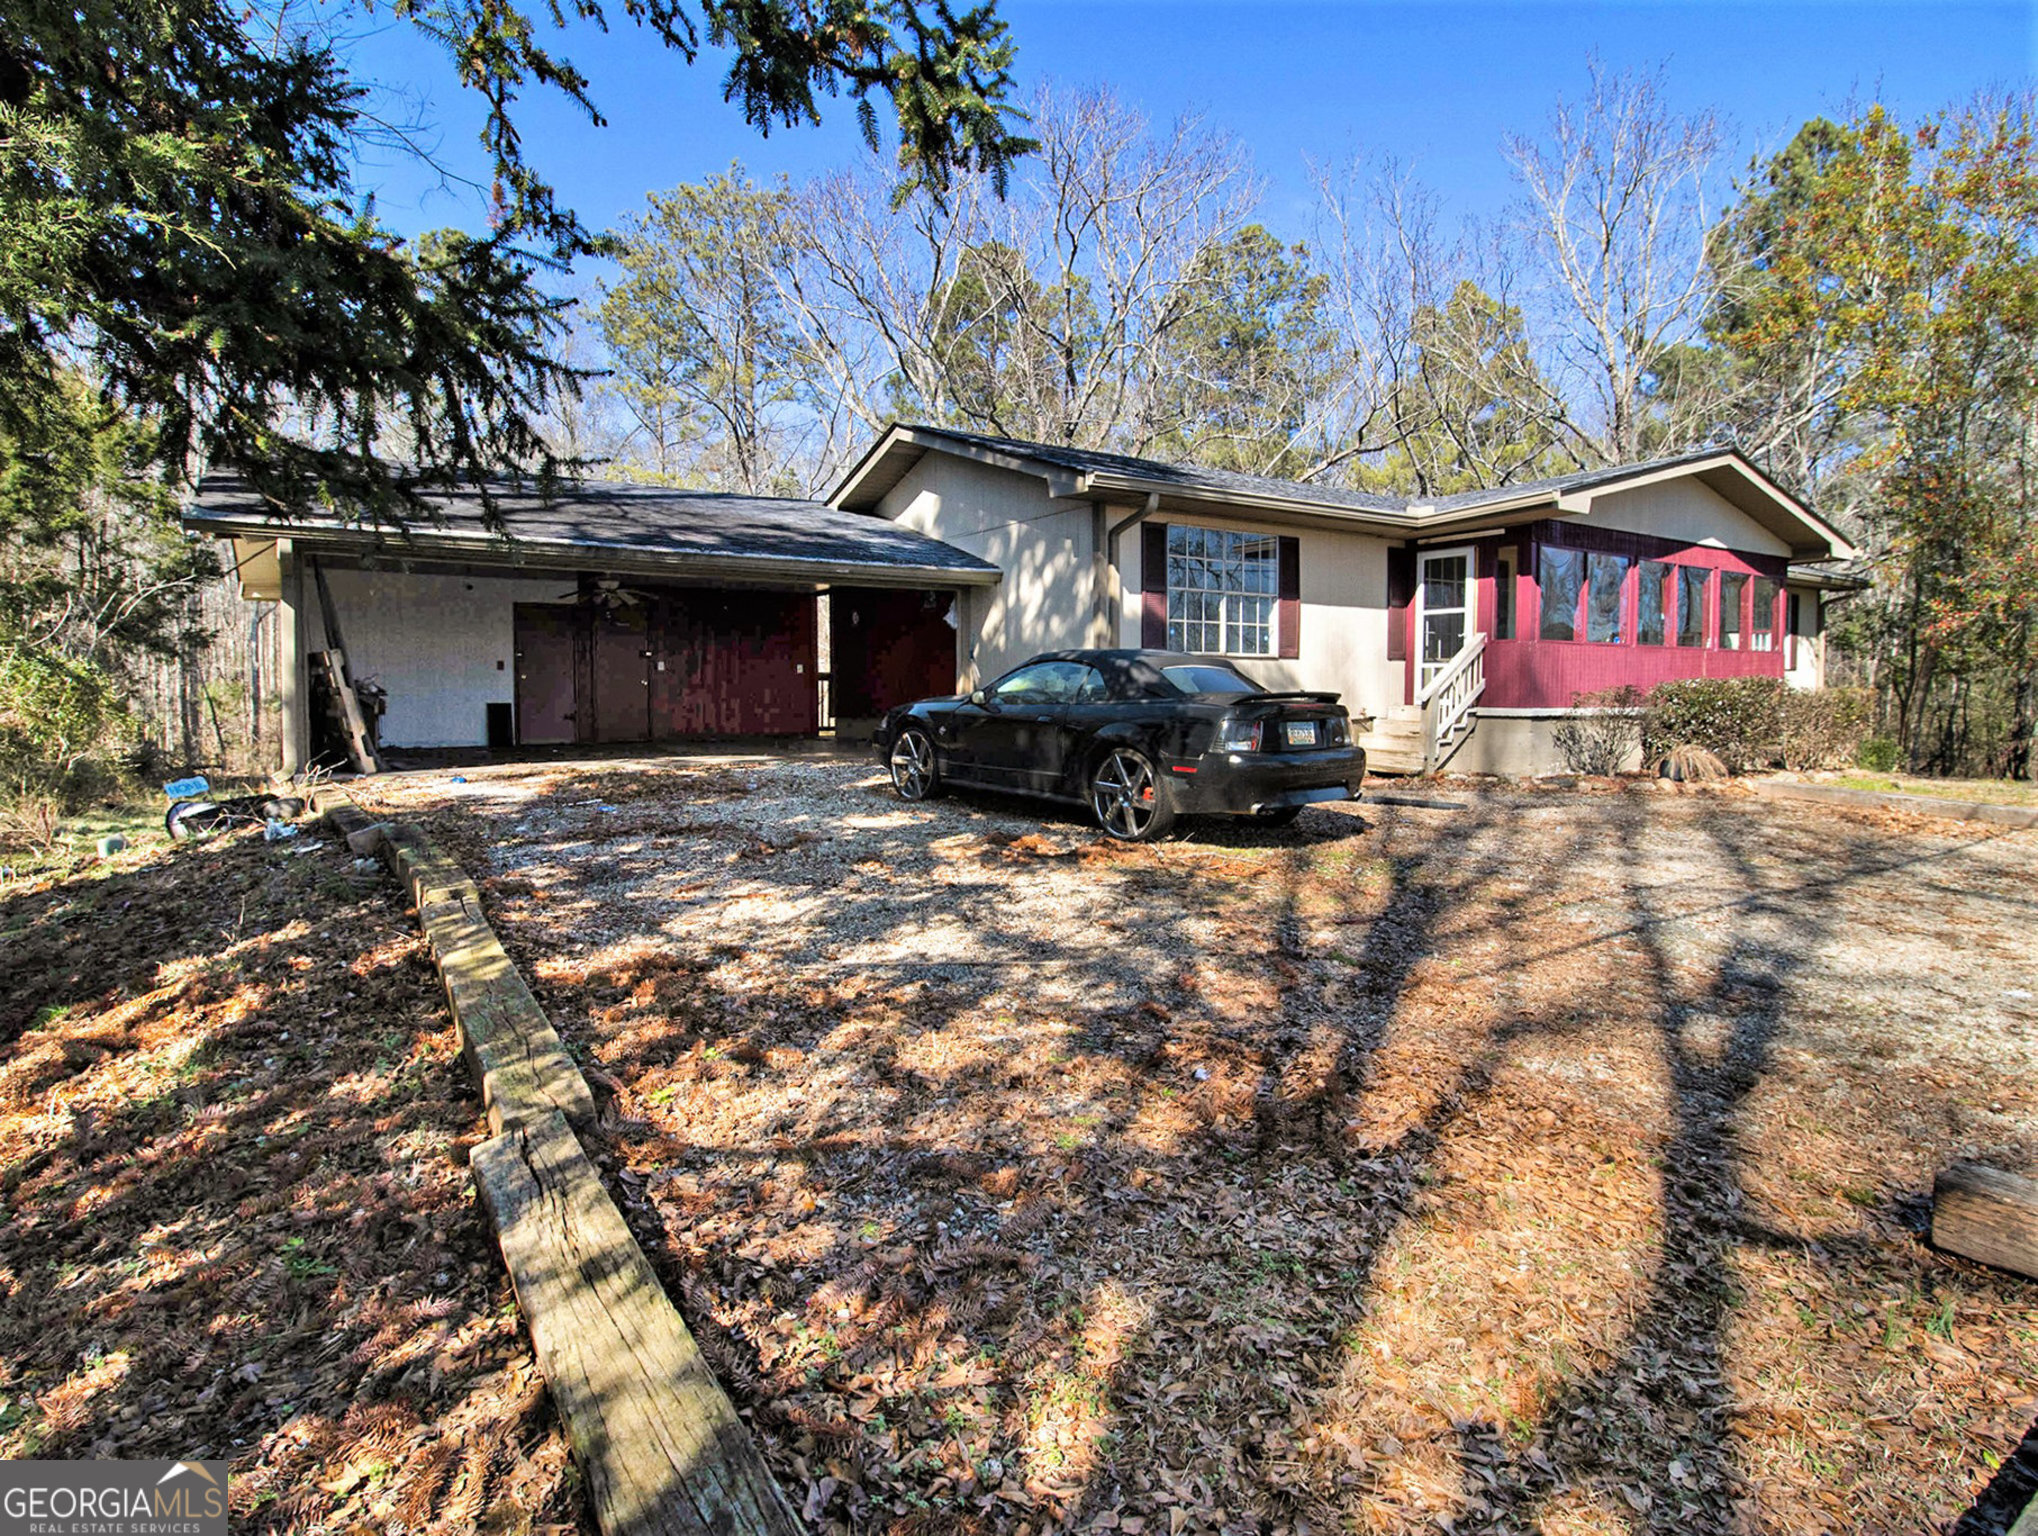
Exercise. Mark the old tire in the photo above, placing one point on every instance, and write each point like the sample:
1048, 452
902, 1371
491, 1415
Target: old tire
916, 773
1129, 798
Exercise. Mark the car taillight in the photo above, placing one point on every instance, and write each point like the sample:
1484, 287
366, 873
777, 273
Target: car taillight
1240, 736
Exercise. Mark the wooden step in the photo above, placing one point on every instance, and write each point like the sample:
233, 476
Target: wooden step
1393, 762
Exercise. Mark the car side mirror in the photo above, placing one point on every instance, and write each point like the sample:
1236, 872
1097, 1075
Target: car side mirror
979, 698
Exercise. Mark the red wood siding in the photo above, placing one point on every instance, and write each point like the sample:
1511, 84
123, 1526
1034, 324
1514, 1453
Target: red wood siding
1529, 672
622, 674
681, 662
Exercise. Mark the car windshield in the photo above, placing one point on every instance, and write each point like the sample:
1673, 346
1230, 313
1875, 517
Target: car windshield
1193, 678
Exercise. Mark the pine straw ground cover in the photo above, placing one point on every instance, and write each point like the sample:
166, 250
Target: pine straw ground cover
1558, 1164
237, 1217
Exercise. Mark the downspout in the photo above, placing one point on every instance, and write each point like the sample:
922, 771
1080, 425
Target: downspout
1111, 591
255, 675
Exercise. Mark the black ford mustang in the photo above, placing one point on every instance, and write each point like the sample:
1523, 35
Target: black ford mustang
1141, 737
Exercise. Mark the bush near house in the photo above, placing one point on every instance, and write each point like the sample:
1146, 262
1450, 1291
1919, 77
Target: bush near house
1605, 740
1738, 719
1822, 728
1754, 722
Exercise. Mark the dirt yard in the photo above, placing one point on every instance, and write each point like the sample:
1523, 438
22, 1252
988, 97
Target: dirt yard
235, 1216
1554, 1164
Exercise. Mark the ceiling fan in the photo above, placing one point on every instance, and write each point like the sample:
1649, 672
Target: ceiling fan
608, 594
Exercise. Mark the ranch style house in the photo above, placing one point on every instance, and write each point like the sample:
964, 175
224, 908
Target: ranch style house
1466, 626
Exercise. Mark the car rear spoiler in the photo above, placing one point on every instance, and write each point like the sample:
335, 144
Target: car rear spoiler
1299, 694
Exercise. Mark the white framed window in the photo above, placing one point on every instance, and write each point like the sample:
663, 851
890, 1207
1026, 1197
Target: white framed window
1762, 625
1221, 591
1733, 602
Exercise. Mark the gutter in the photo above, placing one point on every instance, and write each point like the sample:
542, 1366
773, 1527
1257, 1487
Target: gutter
1314, 511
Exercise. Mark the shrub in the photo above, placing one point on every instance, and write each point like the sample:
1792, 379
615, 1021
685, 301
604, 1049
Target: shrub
54, 715
1822, 728
1738, 719
1878, 754
1607, 737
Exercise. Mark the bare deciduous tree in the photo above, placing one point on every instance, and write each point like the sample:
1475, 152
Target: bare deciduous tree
1615, 223
1044, 316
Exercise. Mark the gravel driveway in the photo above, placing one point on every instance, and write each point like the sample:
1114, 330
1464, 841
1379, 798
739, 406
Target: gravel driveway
1558, 1162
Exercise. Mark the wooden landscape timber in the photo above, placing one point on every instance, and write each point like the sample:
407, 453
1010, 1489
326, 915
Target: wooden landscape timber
1987, 1215
657, 1439
510, 1044
1893, 800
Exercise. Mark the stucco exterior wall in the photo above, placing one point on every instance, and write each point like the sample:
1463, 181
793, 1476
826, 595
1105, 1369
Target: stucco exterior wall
442, 645
1686, 511
1047, 599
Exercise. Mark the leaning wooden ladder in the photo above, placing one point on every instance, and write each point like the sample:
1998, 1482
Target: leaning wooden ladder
353, 721
340, 679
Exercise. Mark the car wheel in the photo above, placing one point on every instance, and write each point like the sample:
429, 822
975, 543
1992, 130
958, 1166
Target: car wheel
1277, 816
915, 774
1128, 797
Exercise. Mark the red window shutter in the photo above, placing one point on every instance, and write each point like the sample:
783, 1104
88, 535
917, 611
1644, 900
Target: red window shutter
1400, 593
1288, 618
1153, 586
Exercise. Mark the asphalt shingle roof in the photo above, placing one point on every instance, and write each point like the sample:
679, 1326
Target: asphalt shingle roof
1196, 477
645, 521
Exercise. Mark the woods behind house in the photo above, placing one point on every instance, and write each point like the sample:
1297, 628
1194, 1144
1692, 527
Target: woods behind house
1858, 311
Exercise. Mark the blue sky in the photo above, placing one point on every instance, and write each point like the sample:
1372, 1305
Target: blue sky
1433, 86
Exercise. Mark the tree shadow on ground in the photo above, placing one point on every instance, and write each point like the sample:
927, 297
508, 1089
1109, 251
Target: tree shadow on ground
1648, 1436
1074, 1205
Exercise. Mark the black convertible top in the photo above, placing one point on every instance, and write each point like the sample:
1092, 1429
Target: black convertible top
1138, 674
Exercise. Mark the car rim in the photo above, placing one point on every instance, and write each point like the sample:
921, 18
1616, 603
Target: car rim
1123, 794
912, 765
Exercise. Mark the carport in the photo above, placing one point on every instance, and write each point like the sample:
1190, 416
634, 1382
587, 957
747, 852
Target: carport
609, 612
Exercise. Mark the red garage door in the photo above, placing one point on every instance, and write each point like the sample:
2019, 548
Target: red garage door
888, 647
736, 664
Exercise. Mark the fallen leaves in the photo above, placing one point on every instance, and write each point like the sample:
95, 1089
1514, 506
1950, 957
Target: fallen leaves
237, 1218
1463, 1174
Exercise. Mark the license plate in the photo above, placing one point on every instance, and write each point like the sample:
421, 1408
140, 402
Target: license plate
1299, 733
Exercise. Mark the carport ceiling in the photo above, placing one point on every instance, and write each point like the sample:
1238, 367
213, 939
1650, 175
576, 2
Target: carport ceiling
649, 530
